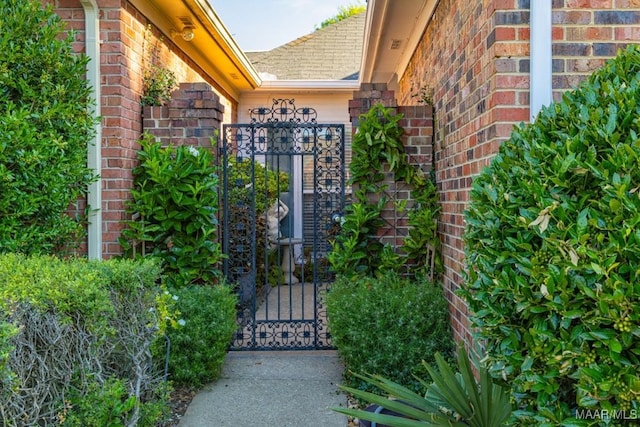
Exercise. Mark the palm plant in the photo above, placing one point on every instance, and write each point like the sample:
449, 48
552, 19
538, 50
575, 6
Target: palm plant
452, 399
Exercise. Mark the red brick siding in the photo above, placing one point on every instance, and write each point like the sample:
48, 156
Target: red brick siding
480, 83
588, 32
192, 117
461, 73
126, 49
366, 97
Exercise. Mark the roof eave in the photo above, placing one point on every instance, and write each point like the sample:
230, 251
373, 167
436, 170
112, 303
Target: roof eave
229, 44
213, 48
393, 29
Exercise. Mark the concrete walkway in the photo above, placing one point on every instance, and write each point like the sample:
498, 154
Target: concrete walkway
272, 389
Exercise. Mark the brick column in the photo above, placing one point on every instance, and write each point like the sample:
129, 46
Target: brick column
417, 140
368, 95
193, 117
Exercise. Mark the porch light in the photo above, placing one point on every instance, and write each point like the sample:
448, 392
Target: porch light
187, 33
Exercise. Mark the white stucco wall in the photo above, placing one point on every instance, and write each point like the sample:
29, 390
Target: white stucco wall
332, 107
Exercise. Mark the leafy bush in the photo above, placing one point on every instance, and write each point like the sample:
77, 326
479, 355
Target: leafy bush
251, 182
157, 84
423, 234
81, 326
45, 127
175, 201
553, 251
7, 332
100, 406
387, 326
198, 348
357, 247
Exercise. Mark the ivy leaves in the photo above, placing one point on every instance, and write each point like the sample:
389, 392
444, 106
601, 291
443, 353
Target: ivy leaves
377, 150
377, 142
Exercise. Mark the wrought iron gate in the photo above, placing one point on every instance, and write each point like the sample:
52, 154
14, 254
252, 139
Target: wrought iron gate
283, 187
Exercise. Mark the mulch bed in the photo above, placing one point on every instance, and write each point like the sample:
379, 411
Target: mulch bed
180, 399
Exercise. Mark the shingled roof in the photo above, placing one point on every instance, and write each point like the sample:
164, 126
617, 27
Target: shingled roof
330, 53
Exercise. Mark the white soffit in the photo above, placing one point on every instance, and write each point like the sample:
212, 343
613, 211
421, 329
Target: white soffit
393, 30
213, 48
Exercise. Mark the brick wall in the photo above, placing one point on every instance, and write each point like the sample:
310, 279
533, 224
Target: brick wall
129, 45
192, 117
123, 37
586, 33
460, 71
480, 85
366, 97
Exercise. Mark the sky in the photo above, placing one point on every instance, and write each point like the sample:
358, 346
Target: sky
266, 24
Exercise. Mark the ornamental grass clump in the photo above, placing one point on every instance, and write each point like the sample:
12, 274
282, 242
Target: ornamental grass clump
452, 398
553, 252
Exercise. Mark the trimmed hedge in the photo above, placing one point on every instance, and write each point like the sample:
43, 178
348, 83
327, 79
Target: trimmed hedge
553, 252
199, 346
387, 326
73, 328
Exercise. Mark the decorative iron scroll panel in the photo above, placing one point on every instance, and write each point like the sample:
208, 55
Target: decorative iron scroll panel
278, 262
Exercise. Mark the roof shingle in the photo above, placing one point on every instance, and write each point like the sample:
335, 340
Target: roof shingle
330, 53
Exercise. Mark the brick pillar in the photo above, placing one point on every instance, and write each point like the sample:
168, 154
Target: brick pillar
417, 140
193, 117
368, 95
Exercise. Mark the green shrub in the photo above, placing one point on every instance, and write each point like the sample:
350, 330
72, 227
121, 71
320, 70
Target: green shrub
251, 182
77, 327
45, 126
174, 202
48, 284
7, 332
357, 247
387, 326
198, 347
157, 84
103, 405
553, 251
110, 404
